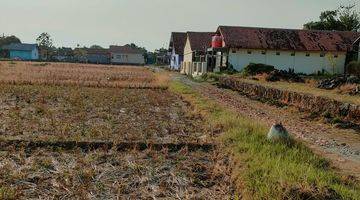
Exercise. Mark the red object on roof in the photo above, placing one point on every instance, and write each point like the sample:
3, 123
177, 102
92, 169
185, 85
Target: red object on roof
287, 39
200, 41
216, 41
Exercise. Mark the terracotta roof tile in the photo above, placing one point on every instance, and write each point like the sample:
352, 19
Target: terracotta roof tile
200, 41
178, 41
287, 39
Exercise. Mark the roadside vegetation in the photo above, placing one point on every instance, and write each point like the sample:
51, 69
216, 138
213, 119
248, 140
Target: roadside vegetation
342, 88
266, 170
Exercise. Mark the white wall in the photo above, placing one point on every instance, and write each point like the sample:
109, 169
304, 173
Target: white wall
174, 60
300, 62
127, 58
187, 51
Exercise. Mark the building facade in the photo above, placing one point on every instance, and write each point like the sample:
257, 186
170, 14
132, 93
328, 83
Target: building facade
304, 51
126, 55
194, 63
176, 49
21, 51
98, 56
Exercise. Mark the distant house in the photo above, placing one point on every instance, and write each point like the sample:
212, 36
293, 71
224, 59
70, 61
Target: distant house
304, 51
195, 51
196, 46
98, 56
126, 55
176, 49
22, 51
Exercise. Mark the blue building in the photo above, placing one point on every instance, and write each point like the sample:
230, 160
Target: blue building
22, 51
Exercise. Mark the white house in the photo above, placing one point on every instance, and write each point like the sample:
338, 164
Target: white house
305, 51
195, 52
176, 49
126, 55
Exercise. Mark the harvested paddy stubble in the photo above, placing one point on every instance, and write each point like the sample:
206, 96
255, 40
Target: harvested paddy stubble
96, 114
111, 175
79, 75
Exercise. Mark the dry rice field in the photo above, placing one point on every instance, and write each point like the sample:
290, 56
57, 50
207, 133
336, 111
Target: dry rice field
77, 131
79, 75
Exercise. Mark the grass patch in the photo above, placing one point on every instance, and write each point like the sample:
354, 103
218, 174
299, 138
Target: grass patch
264, 170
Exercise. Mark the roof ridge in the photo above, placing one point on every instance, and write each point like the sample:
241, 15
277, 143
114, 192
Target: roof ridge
286, 29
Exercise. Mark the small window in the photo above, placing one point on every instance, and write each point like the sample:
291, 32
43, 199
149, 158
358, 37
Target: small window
335, 56
278, 53
233, 51
322, 55
263, 52
293, 54
307, 54
249, 52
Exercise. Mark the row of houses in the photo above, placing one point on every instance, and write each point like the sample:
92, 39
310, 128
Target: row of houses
112, 55
304, 51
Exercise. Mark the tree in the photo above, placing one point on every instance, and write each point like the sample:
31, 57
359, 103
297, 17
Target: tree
6, 40
345, 18
95, 46
45, 44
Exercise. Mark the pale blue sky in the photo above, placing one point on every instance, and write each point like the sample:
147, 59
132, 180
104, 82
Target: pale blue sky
147, 22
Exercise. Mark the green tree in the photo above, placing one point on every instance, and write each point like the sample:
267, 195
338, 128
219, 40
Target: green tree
45, 44
95, 46
6, 40
345, 18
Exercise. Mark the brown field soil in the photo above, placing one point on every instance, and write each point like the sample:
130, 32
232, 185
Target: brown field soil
78, 131
79, 75
112, 175
96, 114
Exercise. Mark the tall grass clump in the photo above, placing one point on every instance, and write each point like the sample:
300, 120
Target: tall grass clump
267, 170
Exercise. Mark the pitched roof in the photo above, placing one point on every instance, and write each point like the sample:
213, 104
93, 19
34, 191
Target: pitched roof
20, 47
287, 39
97, 51
124, 49
200, 41
177, 42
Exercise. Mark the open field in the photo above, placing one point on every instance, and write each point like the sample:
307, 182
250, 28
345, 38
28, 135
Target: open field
87, 131
96, 114
111, 175
79, 75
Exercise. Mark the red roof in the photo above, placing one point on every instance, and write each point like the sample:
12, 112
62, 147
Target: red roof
177, 42
200, 41
287, 39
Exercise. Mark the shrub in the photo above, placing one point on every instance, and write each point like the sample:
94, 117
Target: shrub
353, 68
253, 69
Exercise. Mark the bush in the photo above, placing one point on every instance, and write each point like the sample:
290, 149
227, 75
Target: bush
253, 69
353, 68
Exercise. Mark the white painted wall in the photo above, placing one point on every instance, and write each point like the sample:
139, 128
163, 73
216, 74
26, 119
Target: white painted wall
300, 62
188, 51
174, 60
127, 58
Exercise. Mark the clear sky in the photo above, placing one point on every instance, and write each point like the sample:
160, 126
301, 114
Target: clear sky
147, 23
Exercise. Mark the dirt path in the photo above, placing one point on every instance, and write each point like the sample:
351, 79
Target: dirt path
342, 147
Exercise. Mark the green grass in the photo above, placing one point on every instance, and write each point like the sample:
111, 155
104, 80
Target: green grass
265, 170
